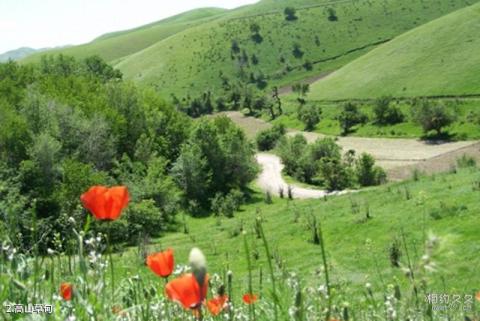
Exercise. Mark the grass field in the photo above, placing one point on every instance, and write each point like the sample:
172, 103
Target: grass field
432, 221
448, 203
440, 58
464, 128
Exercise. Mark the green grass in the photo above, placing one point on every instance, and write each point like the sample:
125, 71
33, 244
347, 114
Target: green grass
440, 58
182, 58
463, 128
354, 245
190, 62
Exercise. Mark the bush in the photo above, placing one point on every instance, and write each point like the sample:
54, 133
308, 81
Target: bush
350, 116
218, 157
332, 14
367, 173
335, 174
385, 113
290, 14
290, 149
227, 205
432, 116
309, 116
268, 138
144, 218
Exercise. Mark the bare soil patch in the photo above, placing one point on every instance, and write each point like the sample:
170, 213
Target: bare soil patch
398, 156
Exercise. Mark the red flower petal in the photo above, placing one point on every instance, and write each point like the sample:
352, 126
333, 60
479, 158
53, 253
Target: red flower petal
66, 291
105, 203
217, 304
186, 290
249, 298
161, 263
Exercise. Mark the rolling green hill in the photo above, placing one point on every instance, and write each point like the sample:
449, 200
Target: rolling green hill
114, 46
186, 56
440, 58
192, 60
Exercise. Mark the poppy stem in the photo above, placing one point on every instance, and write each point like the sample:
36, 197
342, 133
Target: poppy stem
270, 266
325, 267
109, 249
251, 307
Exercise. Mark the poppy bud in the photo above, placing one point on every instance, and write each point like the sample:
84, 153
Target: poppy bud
198, 263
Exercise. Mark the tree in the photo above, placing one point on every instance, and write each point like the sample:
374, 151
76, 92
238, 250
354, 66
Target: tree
216, 159
255, 29
367, 173
268, 138
309, 116
332, 14
276, 98
290, 14
297, 51
335, 174
235, 47
349, 117
301, 90
385, 113
432, 116
290, 150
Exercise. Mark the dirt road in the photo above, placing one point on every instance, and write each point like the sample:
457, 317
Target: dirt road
271, 180
398, 156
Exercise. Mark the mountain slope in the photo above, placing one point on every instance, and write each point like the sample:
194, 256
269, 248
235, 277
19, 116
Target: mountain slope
439, 58
114, 46
16, 54
186, 57
191, 61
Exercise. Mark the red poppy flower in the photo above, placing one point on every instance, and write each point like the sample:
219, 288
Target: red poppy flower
217, 304
161, 263
187, 291
66, 291
105, 203
477, 296
249, 298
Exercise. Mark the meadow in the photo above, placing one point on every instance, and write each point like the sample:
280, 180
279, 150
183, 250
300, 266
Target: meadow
431, 60
372, 255
465, 126
131, 186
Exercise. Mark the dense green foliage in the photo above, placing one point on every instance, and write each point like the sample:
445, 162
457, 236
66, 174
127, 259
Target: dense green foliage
268, 138
310, 116
432, 116
322, 163
350, 116
66, 125
216, 158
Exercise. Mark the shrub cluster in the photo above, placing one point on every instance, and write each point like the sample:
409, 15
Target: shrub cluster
322, 163
268, 138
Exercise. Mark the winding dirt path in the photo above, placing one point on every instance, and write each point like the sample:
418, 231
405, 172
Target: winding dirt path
398, 156
271, 180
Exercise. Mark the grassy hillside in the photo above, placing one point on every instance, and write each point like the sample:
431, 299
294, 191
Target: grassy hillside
185, 55
114, 46
439, 58
191, 61
358, 249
